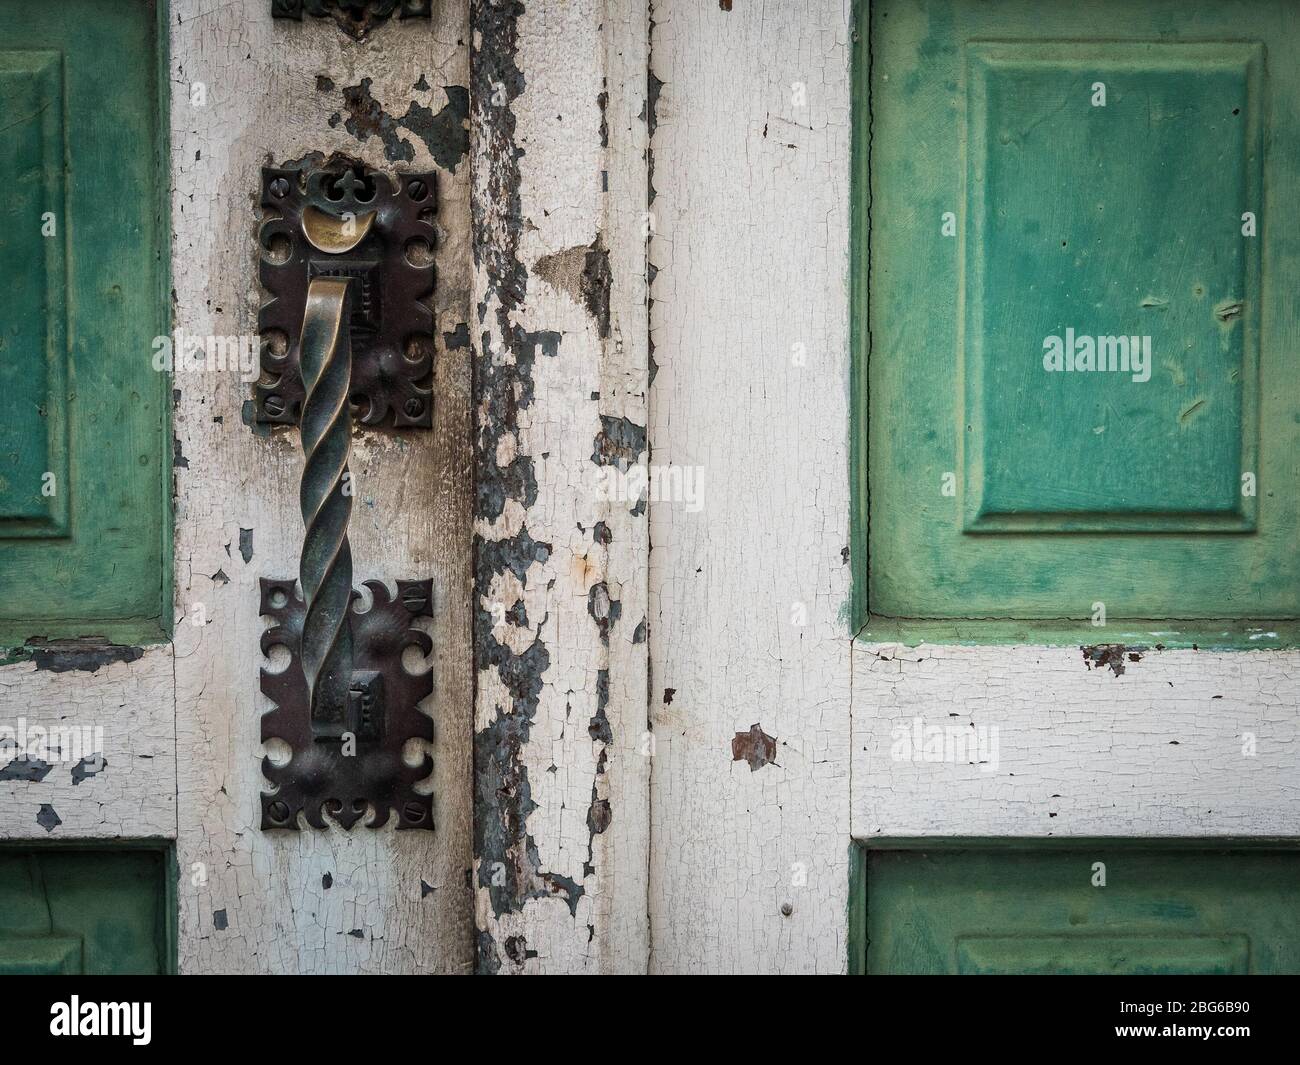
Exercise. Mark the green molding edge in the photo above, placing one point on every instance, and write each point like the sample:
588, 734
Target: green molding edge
1038, 843
1140, 634
1236, 634
162, 90
859, 326
172, 933
859, 850
857, 909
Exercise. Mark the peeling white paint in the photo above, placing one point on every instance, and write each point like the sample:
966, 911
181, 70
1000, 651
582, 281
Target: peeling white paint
568, 56
410, 516
134, 793
1184, 743
751, 246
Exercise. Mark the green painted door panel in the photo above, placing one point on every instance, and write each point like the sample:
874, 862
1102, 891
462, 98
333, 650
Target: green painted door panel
1080, 387
998, 909
85, 911
83, 249
1061, 237
33, 372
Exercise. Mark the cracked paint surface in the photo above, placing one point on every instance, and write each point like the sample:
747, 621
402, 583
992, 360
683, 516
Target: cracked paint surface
559, 856
444, 134
1158, 751
127, 788
754, 747
750, 250
87, 656
1112, 656
298, 904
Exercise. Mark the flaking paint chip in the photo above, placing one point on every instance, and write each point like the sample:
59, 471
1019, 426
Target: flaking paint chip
755, 747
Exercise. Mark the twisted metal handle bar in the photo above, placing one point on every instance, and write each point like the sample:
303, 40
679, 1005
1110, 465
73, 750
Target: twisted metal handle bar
325, 569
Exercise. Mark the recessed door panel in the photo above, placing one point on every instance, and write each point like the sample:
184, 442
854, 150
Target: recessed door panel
33, 345
74, 910
1110, 233
1088, 908
1080, 340
84, 512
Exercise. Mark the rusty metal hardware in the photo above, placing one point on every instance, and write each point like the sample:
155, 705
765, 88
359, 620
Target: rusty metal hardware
357, 17
346, 705
381, 712
349, 221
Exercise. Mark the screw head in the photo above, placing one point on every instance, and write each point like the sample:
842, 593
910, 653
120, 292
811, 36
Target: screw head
413, 812
413, 407
786, 909
279, 811
417, 189
280, 187
273, 405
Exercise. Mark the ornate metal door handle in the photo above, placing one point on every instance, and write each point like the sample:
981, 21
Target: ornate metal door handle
346, 705
325, 569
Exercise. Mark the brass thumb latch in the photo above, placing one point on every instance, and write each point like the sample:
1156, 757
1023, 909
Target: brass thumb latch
347, 260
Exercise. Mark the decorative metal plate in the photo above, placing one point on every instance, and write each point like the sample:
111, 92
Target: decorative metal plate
357, 17
381, 236
320, 777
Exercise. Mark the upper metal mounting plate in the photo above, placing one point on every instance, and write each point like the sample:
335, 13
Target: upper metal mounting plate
350, 221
